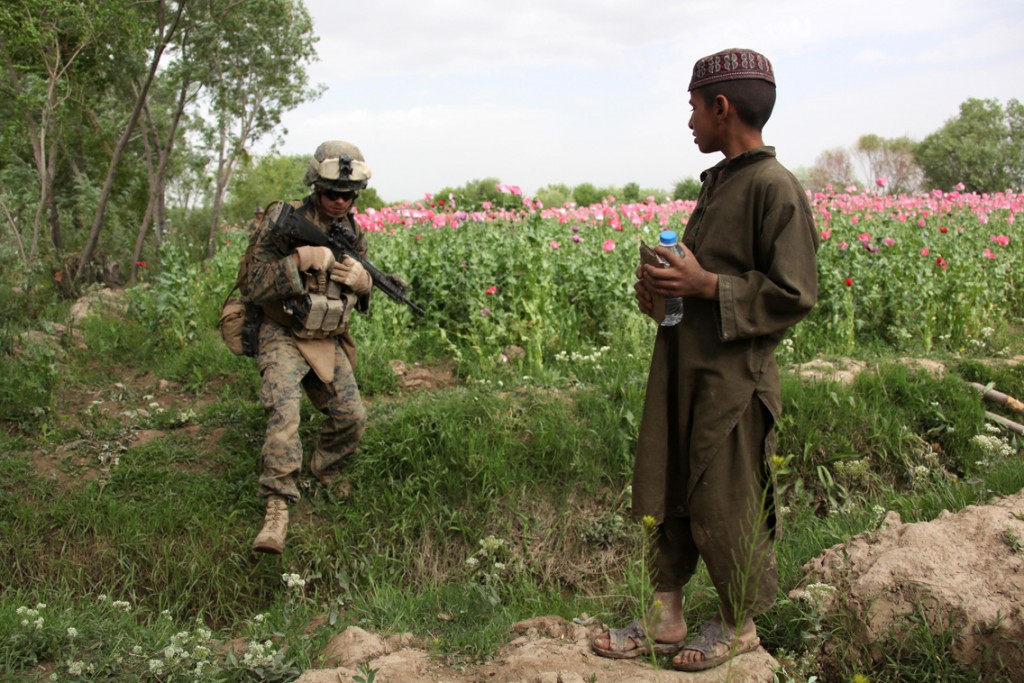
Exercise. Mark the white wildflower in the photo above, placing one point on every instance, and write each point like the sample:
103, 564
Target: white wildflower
293, 580
993, 445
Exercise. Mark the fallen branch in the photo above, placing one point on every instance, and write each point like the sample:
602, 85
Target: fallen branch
999, 398
1009, 424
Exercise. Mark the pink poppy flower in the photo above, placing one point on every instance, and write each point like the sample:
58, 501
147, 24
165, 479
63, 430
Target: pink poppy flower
554, 244
609, 245
492, 290
988, 253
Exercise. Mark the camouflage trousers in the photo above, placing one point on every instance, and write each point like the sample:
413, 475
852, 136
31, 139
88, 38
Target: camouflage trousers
285, 374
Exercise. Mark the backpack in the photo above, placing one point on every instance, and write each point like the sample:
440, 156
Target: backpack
240, 318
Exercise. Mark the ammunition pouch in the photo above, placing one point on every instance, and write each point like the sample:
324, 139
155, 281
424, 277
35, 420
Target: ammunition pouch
320, 314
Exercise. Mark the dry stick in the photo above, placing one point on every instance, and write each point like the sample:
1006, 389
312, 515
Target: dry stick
999, 398
1009, 424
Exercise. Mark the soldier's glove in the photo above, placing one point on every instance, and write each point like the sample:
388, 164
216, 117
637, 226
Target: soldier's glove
351, 273
401, 283
313, 258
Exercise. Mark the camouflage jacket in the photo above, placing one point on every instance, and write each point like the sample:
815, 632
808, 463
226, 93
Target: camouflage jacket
270, 272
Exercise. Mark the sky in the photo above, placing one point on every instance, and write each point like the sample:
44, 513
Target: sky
437, 93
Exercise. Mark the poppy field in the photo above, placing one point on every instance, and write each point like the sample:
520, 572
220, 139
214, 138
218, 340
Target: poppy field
934, 273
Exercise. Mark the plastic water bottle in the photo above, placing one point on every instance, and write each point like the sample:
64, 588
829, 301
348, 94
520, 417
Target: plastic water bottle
673, 304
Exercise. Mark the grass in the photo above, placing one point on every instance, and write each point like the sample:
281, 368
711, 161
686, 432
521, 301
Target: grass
474, 506
129, 455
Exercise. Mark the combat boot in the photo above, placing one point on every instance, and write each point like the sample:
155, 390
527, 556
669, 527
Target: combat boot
275, 526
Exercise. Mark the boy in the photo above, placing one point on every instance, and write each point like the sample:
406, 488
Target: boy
747, 274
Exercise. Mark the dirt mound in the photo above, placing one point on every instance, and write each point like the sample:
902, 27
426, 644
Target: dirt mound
543, 650
960, 574
424, 377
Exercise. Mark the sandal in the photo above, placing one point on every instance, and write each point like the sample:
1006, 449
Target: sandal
718, 645
618, 639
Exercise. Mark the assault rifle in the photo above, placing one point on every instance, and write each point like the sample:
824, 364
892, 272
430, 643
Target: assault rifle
292, 225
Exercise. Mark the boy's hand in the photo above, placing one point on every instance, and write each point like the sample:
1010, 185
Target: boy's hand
643, 297
683, 276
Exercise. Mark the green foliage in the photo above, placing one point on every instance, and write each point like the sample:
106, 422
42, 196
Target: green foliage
982, 147
473, 196
554, 195
920, 281
586, 194
27, 382
270, 178
686, 189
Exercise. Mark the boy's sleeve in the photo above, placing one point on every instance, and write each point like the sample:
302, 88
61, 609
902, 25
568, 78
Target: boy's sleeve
784, 288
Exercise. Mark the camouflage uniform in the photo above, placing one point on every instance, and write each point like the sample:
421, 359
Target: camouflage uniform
273, 278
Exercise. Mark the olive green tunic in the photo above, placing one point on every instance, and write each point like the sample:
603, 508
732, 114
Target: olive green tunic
712, 373
752, 225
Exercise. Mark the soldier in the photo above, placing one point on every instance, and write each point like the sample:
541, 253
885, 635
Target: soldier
293, 352
257, 218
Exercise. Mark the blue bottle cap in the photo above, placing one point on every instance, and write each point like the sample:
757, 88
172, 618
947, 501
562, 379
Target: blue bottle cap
668, 238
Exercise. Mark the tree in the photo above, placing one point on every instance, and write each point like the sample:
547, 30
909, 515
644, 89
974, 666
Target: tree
630, 192
686, 189
832, 167
891, 159
473, 195
42, 45
554, 194
270, 177
982, 147
587, 194
167, 20
259, 64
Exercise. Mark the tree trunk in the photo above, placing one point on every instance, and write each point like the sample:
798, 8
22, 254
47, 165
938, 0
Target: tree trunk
122, 144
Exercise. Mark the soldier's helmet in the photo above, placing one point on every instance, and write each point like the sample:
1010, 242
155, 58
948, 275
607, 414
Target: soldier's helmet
337, 165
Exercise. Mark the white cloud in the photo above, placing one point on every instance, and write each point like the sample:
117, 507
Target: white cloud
441, 92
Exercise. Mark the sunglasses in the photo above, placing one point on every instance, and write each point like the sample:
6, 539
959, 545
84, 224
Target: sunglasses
334, 195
